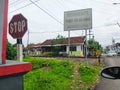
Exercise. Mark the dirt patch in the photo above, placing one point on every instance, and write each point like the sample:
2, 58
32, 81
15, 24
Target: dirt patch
76, 83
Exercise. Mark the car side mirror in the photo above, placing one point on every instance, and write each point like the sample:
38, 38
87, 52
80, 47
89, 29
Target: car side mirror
111, 72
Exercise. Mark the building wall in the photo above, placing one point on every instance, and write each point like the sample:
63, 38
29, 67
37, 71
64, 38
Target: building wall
34, 51
67, 48
78, 48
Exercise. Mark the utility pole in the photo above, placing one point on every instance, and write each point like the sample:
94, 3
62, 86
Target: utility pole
115, 3
118, 24
90, 34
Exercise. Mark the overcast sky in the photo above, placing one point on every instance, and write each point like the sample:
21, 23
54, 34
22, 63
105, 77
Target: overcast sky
46, 20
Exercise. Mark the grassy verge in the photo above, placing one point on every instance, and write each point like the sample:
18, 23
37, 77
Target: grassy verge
53, 74
89, 74
48, 74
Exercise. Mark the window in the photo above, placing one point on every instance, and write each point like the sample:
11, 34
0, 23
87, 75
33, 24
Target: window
72, 48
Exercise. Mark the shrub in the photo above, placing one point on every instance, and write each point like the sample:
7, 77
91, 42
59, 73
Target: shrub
50, 54
11, 52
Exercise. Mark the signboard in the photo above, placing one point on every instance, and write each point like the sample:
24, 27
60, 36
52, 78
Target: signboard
18, 26
78, 19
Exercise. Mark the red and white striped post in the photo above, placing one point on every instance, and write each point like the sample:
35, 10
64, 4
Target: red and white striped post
3, 29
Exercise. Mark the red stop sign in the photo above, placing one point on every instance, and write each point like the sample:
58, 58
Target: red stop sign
18, 26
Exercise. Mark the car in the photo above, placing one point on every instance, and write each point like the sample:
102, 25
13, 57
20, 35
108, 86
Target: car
118, 52
111, 53
63, 54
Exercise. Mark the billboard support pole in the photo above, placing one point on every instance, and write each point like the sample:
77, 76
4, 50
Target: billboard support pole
68, 44
86, 47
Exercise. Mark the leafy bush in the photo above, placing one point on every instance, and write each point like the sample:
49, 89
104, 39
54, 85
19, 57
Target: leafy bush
11, 52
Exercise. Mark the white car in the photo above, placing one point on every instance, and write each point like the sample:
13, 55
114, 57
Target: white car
111, 53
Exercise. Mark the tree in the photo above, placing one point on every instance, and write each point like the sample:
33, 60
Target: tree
11, 52
93, 46
58, 40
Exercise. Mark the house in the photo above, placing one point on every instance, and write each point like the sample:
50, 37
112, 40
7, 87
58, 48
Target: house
76, 45
33, 49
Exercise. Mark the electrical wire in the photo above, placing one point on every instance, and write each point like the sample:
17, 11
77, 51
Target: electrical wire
45, 32
103, 2
39, 8
103, 8
46, 12
23, 7
14, 2
18, 2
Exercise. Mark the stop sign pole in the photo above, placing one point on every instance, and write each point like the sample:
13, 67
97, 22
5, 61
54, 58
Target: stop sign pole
17, 29
19, 50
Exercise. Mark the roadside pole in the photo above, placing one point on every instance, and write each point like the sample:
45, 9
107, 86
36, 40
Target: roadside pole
86, 47
19, 50
68, 44
118, 24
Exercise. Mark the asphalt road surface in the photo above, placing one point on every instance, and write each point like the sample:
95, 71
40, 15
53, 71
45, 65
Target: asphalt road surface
107, 84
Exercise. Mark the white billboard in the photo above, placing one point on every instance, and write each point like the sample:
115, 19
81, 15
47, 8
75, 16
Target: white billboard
78, 19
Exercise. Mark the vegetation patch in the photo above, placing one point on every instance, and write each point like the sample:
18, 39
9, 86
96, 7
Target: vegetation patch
89, 74
48, 74
53, 74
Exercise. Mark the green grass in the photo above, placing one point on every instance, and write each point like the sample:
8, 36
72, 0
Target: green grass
48, 74
53, 74
89, 74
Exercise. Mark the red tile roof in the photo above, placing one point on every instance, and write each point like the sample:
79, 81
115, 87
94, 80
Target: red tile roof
73, 40
34, 45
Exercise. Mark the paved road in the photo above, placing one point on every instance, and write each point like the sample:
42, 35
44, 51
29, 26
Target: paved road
107, 84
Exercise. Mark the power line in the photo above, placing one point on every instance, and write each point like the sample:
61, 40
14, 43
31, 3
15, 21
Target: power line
103, 8
23, 6
61, 4
39, 8
45, 32
66, 31
16, 3
102, 2
46, 12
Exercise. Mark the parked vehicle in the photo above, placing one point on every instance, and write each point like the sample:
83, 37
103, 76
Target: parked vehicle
111, 53
63, 54
118, 52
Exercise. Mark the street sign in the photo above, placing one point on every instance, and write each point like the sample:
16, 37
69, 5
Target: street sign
18, 26
78, 19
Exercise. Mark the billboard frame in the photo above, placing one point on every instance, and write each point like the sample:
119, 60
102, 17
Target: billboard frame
78, 19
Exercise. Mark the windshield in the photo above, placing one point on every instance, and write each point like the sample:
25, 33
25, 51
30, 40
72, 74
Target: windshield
64, 40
